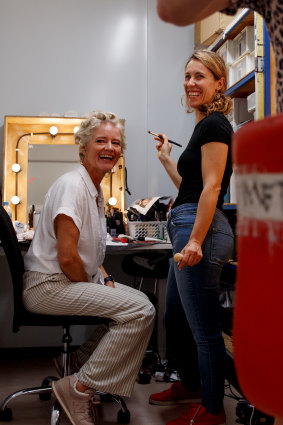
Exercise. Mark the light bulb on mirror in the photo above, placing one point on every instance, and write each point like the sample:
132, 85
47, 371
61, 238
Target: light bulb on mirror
16, 168
15, 200
53, 130
112, 201
76, 129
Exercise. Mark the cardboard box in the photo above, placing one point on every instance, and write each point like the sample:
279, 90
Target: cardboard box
207, 30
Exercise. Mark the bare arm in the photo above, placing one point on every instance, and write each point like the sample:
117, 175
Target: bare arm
69, 259
186, 12
214, 157
164, 149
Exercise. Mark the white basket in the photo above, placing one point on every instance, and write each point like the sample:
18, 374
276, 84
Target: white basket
226, 51
149, 229
239, 112
244, 42
251, 102
241, 67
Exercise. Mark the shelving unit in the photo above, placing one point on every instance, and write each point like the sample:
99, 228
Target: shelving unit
260, 78
244, 87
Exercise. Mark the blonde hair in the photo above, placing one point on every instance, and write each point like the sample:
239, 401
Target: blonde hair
216, 65
95, 119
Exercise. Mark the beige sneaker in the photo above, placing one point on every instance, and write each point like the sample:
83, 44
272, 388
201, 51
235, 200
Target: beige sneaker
77, 406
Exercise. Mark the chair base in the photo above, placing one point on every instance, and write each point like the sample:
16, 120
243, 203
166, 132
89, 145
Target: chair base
123, 415
44, 392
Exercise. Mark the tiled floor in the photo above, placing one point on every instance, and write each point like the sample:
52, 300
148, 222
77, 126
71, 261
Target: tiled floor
29, 410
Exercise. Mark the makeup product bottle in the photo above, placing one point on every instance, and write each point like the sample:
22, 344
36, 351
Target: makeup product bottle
30, 216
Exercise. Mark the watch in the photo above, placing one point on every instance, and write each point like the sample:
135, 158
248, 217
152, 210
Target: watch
109, 279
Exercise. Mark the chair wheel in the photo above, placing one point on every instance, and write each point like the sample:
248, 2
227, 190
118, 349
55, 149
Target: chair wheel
123, 417
6, 415
47, 383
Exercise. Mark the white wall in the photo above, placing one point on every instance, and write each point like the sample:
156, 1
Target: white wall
87, 54
168, 50
116, 55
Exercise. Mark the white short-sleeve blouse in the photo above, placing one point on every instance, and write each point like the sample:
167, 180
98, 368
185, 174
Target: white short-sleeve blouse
74, 195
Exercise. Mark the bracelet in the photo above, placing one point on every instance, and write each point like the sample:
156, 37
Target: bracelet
109, 279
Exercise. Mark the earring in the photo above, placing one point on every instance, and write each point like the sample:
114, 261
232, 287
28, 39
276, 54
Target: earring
217, 96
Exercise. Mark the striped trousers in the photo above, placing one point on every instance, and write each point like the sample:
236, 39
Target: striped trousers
112, 357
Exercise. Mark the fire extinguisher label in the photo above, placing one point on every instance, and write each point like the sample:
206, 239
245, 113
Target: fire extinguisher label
260, 195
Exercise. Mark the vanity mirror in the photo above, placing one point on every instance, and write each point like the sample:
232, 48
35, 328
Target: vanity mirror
37, 150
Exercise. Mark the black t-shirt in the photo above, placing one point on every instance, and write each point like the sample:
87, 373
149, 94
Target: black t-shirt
213, 128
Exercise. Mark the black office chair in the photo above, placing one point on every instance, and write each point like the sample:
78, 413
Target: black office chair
22, 317
151, 266
142, 265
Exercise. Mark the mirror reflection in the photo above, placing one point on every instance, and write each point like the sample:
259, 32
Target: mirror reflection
45, 164
34, 157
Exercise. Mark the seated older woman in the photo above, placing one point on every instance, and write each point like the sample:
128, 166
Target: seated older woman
64, 275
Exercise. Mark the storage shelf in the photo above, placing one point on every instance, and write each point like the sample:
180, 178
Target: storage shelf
244, 19
244, 87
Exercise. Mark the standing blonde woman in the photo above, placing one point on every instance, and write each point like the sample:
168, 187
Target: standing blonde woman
200, 231
64, 275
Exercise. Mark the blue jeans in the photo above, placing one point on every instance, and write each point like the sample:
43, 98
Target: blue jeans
192, 319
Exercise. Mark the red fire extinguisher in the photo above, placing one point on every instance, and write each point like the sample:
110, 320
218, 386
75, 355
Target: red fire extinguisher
258, 314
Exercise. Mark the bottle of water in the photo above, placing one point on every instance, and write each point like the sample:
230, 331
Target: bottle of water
8, 209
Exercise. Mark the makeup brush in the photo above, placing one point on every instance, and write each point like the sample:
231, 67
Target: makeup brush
170, 141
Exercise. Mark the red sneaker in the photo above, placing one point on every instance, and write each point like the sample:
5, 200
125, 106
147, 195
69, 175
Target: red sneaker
176, 394
196, 413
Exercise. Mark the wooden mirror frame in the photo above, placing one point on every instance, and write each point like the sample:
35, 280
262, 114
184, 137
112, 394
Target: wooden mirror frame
19, 131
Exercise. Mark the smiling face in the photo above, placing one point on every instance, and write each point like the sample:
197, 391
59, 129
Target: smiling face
102, 152
200, 85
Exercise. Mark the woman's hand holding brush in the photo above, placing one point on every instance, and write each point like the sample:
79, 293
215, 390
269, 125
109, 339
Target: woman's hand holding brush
190, 256
178, 257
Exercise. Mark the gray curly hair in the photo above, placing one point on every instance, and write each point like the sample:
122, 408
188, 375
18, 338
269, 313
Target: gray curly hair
94, 120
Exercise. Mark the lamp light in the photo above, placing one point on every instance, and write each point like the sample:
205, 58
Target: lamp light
53, 130
76, 129
112, 201
16, 168
15, 200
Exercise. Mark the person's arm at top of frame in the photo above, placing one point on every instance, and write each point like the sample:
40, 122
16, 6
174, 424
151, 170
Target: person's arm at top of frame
164, 149
186, 12
214, 158
69, 259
